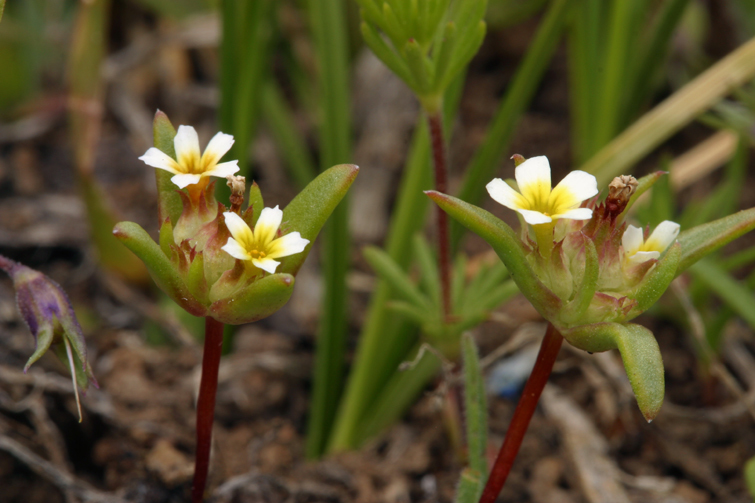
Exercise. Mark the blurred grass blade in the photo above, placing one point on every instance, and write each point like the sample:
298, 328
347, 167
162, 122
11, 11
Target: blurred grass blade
731, 291
475, 406
469, 488
243, 59
750, 476
291, 145
391, 273
329, 30
85, 116
518, 96
667, 118
2, 8
707, 238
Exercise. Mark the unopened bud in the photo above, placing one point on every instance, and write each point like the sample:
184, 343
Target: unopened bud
238, 188
47, 312
620, 190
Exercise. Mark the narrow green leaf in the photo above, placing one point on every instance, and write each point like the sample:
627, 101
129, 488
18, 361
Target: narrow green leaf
159, 266
256, 202
470, 487
428, 267
707, 238
508, 247
734, 293
475, 406
390, 272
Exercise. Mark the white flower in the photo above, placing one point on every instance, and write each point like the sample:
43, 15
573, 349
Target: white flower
637, 250
191, 166
259, 245
537, 203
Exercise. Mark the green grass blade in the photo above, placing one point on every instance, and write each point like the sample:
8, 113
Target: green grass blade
731, 291
475, 406
667, 118
291, 146
329, 30
516, 101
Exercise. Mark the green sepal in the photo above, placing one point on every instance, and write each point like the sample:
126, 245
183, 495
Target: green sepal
161, 269
578, 306
655, 282
639, 352
168, 201
309, 210
463, 53
387, 55
196, 281
419, 66
702, 240
44, 339
643, 184
258, 300
508, 247
475, 406
256, 203
166, 237
83, 371
390, 272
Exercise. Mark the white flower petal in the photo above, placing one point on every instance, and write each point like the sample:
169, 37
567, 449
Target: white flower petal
158, 159
238, 228
573, 189
223, 169
534, 179
289, 244
576, 214
266, 264
632, 240
662, 236
267, 225
235, 250
503, 194
184, 179
186, 144
220, 144
534, 217
643, 256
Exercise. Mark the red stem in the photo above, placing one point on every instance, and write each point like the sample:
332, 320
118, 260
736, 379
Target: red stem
208, 387
440, 163
523, 414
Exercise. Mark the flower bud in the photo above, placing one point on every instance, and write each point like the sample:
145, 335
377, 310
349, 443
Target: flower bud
620, 190
47, 312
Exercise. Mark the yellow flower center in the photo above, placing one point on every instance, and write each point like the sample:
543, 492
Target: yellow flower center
257, 254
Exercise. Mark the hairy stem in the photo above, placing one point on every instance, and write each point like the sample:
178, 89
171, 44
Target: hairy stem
440, 163
523, 414
208, 387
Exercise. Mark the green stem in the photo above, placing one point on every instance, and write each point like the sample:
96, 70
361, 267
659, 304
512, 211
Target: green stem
523, 414
208, 387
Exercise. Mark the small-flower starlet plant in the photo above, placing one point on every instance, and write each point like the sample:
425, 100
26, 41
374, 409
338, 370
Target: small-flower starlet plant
210, 261
587, 271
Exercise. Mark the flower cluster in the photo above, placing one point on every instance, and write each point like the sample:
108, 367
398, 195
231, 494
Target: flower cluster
209, 260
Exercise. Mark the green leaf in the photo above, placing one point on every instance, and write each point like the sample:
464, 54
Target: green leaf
309, 210
168, 201
259, 300
475, 406
159, 266
639, 352
508, 247
390, 272
656, 281
470, 487
428, 268
256, 202
578, 306
705, 239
